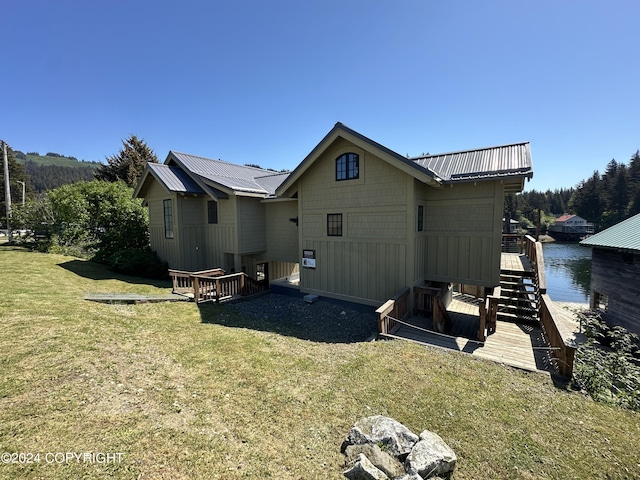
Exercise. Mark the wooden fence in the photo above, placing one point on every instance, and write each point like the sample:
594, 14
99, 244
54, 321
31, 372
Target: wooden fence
214, 285
560, 334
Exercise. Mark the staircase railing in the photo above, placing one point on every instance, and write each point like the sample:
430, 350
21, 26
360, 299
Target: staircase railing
396, 308
214, 285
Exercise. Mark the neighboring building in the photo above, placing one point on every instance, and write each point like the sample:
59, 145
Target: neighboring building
615, 273
570, 228
360, 220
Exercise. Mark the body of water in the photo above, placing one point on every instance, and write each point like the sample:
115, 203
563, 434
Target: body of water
568, 270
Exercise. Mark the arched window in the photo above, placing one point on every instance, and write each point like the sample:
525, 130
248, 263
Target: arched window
347, 166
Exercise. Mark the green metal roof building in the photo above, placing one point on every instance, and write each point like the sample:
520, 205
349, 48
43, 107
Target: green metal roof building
615, 273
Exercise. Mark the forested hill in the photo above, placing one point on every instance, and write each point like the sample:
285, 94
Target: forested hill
53, 170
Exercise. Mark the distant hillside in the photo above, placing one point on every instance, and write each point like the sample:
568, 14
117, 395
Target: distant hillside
53, 170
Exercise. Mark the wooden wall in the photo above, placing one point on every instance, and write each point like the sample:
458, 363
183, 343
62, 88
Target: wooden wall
368, 263
617, 276
282, 234
462, 231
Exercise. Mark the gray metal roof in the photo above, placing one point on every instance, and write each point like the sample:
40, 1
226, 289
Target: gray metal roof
240, 178
480, 164
174, 179
622, 236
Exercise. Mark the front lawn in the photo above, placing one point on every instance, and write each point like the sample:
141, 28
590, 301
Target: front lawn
182, 391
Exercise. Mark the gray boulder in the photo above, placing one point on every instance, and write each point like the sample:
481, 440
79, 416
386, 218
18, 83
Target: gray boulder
363, 469
431, 456
382, 460
397, 439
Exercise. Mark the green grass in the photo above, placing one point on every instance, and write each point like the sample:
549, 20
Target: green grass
184, 396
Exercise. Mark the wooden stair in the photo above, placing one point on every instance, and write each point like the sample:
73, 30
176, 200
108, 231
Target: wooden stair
519, 299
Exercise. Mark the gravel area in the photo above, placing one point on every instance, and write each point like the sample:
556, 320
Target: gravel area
322, 321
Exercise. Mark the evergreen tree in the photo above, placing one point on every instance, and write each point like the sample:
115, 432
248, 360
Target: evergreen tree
128, 164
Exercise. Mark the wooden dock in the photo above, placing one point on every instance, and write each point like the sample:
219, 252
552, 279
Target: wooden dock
515, 344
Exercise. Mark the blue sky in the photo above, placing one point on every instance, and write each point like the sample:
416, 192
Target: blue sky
263, 82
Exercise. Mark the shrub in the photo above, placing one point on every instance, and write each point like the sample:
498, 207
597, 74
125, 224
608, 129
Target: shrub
140, 262
606, 365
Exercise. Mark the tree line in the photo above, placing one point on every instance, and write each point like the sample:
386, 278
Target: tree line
603, 199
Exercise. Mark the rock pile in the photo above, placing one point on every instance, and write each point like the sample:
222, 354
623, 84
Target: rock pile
380, 448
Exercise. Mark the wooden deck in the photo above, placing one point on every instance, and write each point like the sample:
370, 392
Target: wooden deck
515, 262
517, 345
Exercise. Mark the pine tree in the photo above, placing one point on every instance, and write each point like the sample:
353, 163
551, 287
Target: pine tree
128, 164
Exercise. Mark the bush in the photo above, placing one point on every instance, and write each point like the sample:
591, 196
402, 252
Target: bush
140, 262
606, 365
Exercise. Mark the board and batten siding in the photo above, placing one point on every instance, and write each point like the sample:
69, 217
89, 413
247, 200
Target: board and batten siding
251, 225
368, 263
220, 238
168, 249
617, 276
282, 233
460, 241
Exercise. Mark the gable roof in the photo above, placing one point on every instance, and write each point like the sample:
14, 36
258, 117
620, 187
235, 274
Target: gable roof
173, 179
489, 163
511, 163
564, 218
341, 130
227, 176
622, 236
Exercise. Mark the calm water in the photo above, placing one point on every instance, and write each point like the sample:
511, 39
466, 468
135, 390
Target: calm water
568, 269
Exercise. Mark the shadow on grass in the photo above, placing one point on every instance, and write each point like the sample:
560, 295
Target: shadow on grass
96, 271
322, 321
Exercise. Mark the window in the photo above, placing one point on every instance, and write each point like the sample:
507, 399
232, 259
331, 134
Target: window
420, 218
334, 224
168, 218
212, 211
347, 166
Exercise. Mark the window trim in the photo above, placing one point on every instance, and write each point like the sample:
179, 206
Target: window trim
351, 170
167, 210
334, 225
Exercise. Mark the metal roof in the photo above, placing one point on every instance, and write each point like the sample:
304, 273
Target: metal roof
622, 236
240, 178
480, 164
174, 179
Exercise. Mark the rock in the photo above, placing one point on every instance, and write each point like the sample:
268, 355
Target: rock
397, 439
363, 469
382, 460
430, 456
411, 476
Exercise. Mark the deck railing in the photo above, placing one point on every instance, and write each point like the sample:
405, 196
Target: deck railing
533, 250
396, 308
214, 285
560, 336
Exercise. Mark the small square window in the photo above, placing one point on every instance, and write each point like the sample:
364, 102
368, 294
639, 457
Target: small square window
212, 211
334, 225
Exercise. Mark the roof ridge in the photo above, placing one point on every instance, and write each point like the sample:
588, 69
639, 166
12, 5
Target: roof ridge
430, 155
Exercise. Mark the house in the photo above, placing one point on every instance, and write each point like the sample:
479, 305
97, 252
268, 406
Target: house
570, 228
615, 273
356, 220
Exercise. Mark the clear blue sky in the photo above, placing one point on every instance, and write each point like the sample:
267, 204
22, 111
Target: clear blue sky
263, 81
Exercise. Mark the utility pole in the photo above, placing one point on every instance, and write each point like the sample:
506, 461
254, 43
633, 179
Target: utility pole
7, 191
23, 190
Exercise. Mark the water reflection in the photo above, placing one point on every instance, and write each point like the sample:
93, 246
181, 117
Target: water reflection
568, 270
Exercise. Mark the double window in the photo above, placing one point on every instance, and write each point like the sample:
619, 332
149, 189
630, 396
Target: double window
168, 218
347, 166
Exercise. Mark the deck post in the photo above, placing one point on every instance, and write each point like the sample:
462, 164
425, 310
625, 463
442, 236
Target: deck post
196, 289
